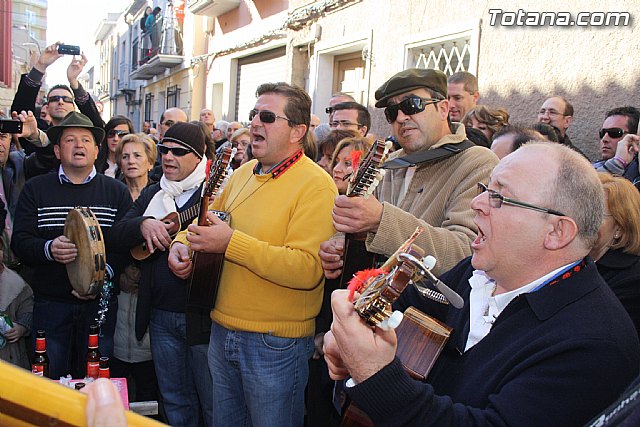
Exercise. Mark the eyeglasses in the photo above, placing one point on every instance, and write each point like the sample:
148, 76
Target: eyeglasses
613, 132
410, 106
496, 200
343, 123
58, 98
176, 151
328, 110
112, 133
266, 116
550, 112
168, 123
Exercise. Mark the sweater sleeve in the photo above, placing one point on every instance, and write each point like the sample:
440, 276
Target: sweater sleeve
87, 106
559, 387
296, 263
25, 241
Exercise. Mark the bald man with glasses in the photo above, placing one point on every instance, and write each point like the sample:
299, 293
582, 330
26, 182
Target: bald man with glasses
541, 340
434, 194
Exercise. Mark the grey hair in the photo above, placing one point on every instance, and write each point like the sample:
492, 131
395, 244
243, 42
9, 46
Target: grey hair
576, 190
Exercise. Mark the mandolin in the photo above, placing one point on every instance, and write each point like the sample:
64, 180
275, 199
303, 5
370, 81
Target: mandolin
362, 183
207, 267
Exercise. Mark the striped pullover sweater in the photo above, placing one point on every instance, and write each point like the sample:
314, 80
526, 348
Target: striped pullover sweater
40, 214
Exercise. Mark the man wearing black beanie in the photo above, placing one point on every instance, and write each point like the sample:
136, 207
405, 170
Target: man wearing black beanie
179, 339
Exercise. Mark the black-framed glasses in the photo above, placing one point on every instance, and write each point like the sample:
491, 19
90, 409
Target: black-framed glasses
550, 112
496, 200
176, 151
168, 123
58, 98
409, 106
113, 132
613, 132
343, 123
266, 116
328, 110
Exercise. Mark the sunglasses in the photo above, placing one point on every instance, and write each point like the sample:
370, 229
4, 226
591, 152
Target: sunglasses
328, 110
112, 133
266, 116
176, 151
410, 106
58, 98
613, 132
168, 123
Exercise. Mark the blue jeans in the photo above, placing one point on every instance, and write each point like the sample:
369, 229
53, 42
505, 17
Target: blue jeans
259, 379
67, 332
183, 376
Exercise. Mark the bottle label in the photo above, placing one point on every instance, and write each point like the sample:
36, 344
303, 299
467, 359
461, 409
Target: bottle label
41, 345
93, 369
93, 341
104, 373
37, 370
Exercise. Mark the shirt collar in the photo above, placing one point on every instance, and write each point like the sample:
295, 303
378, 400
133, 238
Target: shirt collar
65, 179
281, 167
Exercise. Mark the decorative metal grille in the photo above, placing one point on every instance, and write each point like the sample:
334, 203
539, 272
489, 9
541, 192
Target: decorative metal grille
448, 56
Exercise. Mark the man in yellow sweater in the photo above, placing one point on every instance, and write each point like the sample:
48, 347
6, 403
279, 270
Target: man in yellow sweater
272, 283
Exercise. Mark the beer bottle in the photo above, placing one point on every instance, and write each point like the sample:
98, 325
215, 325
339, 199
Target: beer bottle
40, 364
93, 355
104, 368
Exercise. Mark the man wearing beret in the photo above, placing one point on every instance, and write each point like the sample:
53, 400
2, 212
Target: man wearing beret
179, 337
39, 242
434, 194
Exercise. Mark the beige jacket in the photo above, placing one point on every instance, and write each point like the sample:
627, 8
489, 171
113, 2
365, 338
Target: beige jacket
438, 199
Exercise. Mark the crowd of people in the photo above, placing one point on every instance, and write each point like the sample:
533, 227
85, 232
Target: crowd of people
542, 245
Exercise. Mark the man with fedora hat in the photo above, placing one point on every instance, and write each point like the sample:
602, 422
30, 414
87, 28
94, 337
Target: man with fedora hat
430, 181
179, 337
39, 242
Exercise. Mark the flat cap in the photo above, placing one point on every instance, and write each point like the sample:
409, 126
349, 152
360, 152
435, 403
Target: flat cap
413, 78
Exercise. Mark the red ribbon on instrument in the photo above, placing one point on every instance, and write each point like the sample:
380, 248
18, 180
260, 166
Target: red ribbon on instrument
361, 279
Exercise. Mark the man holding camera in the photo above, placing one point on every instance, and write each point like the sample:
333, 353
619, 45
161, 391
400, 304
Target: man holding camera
62, 99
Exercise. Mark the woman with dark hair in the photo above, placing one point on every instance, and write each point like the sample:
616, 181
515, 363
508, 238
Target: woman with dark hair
328, 144
487, 120
617, 250
115, 130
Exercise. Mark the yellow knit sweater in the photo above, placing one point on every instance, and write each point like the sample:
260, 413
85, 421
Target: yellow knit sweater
272, 278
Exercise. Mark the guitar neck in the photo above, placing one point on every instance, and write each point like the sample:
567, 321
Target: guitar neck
189, 214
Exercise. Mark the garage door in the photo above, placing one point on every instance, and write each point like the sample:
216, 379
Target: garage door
252, 72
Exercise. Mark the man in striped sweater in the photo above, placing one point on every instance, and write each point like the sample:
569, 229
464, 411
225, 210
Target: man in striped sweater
39, 242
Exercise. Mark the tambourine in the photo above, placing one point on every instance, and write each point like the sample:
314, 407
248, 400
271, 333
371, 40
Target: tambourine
86, 272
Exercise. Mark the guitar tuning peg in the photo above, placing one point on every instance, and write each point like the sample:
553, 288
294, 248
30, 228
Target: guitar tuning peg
429, 261
392, 321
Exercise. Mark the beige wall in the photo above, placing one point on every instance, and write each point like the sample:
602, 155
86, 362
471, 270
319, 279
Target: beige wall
517, 67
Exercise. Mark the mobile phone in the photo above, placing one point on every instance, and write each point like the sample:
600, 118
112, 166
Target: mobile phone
67, 49
10, 126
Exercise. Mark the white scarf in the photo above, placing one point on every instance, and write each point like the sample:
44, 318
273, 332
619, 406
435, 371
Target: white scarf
163, 202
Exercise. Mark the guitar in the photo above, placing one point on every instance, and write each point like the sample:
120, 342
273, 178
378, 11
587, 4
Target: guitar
421, 338
361, 184
141, 252
207, 268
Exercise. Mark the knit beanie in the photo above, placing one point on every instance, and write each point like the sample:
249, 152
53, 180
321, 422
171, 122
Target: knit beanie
188, 135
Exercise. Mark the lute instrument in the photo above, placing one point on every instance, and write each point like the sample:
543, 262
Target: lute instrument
363, 181
207, 267
421, 338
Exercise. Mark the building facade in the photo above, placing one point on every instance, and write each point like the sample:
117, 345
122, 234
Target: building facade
521, 54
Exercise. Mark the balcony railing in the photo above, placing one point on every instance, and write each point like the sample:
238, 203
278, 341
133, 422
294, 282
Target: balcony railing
159, 49
211, 7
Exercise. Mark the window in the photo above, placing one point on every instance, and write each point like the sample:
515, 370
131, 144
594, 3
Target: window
148, 107
173, 95
449, 54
